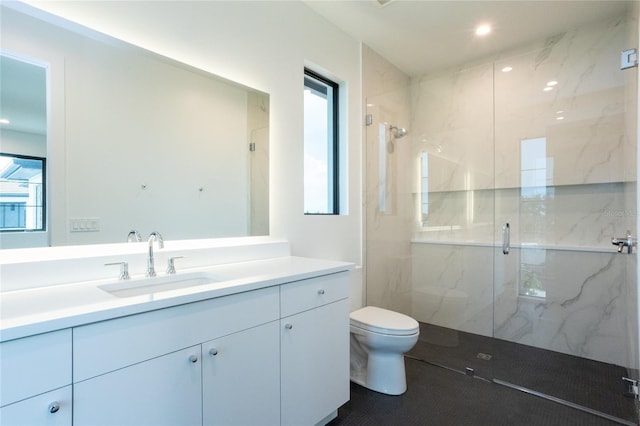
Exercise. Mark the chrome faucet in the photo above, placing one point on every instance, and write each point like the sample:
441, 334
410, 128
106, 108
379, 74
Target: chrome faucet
627, 242
134, 236
154, 236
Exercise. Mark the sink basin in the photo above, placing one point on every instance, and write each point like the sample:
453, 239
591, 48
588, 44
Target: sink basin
138, 287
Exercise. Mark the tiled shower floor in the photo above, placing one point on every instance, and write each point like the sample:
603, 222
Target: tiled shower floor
450, 396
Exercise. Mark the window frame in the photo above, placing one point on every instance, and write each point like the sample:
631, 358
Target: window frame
43, 227
318, 83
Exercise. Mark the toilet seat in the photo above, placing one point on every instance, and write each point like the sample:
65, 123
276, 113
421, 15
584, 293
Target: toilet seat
383, 321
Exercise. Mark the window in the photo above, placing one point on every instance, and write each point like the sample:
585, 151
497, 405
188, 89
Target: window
424, 188
536, 180
22, 193
320, 145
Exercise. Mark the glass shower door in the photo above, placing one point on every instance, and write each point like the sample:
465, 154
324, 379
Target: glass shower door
565, 307
452, 235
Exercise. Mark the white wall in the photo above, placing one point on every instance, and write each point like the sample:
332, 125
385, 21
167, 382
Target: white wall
32, 144
264, 45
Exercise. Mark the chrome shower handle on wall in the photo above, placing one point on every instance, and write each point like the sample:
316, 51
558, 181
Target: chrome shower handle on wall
627, 242
506, 238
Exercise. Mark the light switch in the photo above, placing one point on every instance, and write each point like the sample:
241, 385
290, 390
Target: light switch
84, 224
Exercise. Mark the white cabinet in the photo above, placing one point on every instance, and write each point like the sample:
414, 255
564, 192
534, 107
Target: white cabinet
106, 346
162, 391
35, 380
49, 409
34, 365
148, 369
314, 349
270, 356
241, 378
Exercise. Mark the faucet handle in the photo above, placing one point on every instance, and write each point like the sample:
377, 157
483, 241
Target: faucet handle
171, 266
124, 269
134, 236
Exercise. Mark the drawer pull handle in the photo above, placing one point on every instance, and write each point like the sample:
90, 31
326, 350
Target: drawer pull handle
54, 407
321, 291
288, 326
213, 352
193, 358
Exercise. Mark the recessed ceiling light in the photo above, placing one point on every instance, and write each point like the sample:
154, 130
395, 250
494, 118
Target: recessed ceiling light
560, 118
483, 30
507, 69
4, 121
548, 88
559, 112
552, 83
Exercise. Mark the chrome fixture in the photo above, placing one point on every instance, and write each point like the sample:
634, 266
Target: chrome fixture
134, 236
627, 242
171, 265
629, 59
398, 132
506, 238
154, 236
124, 269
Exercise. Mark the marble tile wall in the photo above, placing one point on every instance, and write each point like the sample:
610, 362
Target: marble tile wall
582, 310
388, 199
582, 116
562, 287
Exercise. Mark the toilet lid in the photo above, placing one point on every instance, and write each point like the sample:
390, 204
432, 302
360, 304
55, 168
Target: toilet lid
384, 321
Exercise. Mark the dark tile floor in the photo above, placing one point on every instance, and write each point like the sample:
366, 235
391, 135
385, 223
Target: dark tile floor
446, 396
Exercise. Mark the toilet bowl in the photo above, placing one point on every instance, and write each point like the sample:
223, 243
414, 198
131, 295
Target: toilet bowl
379, 339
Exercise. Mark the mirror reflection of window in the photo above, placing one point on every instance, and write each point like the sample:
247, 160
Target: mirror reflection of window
23, 141
536, 190
424, 187
22, 194
536, 169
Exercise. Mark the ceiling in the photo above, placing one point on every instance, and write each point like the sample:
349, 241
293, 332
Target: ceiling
420, 36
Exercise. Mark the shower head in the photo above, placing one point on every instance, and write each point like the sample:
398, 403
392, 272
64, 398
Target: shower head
398, 132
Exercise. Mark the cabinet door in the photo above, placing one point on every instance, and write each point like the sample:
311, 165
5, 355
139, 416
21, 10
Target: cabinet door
162, 391
314, 363
241, 378
34, 365
49, 409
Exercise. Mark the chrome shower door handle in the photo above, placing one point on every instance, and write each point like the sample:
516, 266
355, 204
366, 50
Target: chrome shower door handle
506, 238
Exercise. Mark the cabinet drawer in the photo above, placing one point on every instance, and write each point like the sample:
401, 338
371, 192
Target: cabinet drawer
308, 294
38, 410
34, 365
106, 346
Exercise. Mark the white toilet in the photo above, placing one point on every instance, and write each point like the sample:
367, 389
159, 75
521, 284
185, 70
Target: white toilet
379, 339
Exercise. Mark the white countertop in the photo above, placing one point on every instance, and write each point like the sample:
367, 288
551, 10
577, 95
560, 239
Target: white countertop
40, 310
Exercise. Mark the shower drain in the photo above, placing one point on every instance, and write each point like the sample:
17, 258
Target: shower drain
482, 356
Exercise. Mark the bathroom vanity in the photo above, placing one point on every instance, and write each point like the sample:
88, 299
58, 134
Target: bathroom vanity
267, 343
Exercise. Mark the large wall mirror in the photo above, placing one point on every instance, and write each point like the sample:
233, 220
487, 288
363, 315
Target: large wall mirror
131, 140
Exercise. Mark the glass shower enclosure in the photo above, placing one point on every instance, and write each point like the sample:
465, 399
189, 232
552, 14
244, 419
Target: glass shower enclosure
491, 221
